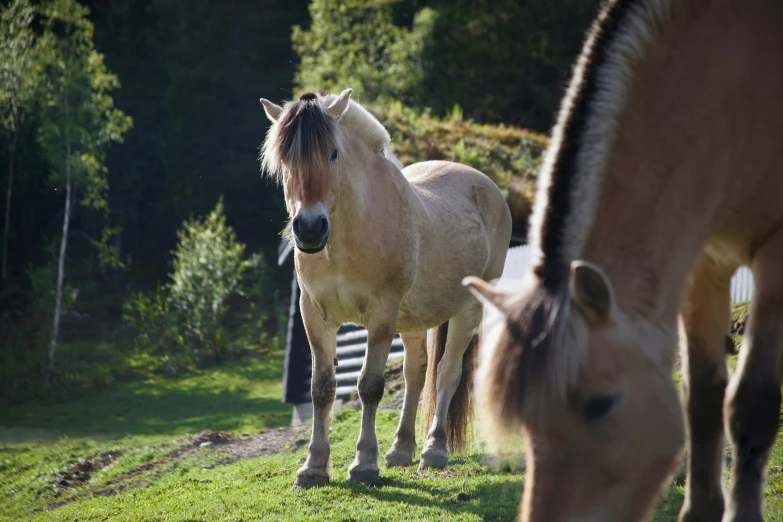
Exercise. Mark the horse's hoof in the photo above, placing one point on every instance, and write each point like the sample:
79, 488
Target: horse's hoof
743, 513
310, 478
433, 458
398, 457
754, 517
366, 474
713, 513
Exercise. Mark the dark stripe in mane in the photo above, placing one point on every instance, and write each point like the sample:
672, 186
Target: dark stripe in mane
554, 269
306, 133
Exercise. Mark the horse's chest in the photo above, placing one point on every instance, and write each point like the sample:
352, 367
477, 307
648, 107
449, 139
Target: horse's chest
339, 297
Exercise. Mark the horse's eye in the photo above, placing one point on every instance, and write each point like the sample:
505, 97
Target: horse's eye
597, 406
333, 158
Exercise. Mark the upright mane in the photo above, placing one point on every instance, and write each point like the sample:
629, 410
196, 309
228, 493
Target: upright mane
545, 344
305, 136
583, 137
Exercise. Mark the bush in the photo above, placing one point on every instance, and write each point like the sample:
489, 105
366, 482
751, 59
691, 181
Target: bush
191, 320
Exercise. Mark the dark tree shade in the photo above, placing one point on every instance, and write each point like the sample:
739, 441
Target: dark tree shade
192, 73
503, 60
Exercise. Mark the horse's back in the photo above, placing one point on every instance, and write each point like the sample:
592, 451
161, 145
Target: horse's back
434, 174
464, 228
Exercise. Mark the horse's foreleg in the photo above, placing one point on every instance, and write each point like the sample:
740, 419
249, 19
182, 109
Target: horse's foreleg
371, 385
753, 405
323, 345
462, 328
404, 447
705, 318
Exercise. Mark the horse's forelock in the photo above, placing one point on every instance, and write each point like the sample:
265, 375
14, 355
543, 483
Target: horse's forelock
300, 143
537, 360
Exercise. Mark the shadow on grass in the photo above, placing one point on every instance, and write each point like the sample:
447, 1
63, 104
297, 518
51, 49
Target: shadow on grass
495, 501
241, 395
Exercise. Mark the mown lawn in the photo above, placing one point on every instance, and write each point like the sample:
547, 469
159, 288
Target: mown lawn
126, 441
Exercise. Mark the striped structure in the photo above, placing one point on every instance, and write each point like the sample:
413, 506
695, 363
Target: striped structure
742, 285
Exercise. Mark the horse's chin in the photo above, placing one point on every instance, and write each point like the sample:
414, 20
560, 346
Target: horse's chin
310, 249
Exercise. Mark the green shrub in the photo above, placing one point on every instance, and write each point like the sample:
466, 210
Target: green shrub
216, 303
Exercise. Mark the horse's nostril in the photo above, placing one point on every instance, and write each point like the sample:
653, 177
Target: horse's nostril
295, 225
324, 224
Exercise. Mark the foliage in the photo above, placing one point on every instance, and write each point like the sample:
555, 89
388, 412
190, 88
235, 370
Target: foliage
355, 43
27, 334
185, 320
20, 72
504, 60
509, 155
79, 108
500, 60
80, 122
192, 72
20, 67
208, 266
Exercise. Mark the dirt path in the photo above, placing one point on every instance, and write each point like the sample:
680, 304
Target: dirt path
74, 481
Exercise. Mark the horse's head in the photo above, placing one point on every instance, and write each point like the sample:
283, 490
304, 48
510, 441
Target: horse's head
600, 413
314, 142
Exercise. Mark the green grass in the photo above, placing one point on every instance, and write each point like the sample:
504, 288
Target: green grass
134, 426
258, 489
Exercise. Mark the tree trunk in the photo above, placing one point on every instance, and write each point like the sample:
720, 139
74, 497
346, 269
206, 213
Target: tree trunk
58, 300
7, 225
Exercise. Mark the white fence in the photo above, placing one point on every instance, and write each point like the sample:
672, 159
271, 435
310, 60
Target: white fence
519, 258
742, 285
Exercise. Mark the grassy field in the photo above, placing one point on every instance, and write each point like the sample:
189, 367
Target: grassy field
138, 452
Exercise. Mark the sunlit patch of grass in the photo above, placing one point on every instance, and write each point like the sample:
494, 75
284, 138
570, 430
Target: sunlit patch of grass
141, 472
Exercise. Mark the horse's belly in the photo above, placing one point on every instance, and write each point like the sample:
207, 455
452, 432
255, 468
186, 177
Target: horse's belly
427, 307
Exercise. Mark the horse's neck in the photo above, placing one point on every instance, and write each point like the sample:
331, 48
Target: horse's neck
663, 185
365, 205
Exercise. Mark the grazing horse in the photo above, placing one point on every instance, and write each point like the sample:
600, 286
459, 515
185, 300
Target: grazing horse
663, 175
386, 249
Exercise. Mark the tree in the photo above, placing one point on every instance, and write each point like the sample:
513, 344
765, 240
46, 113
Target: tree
81, 121
504, 60
355, 43
19, 76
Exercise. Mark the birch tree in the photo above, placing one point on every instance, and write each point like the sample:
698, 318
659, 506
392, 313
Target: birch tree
80, 123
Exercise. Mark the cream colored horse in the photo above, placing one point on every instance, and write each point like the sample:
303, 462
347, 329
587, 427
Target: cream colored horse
664, 174
386, 249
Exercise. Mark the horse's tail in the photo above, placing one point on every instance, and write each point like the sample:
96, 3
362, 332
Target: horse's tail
460, 413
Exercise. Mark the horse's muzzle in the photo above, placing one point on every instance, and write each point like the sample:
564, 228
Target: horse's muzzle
309, 248
311, 231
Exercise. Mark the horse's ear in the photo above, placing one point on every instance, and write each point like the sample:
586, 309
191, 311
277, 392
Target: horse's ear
592, 291
497, 298
340, 104
272, 111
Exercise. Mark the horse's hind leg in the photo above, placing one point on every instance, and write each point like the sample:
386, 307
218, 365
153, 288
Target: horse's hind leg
323, 345
380, 334
704, 320
404, 447
753, 405
462, 329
